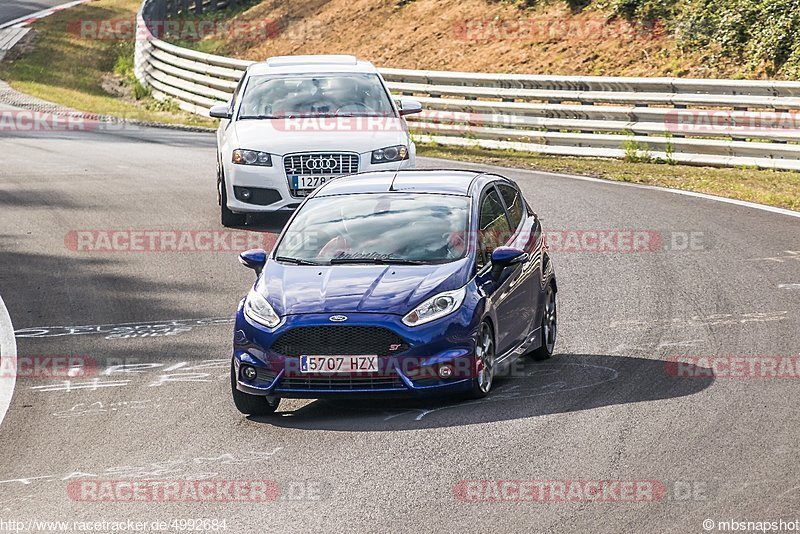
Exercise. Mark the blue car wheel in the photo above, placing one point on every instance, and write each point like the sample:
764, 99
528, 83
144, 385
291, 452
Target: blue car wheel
484, 361
549, 326
252, 404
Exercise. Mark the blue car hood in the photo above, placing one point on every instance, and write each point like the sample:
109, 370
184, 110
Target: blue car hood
395, 289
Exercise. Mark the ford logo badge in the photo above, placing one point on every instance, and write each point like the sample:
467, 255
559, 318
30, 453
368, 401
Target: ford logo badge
338, 318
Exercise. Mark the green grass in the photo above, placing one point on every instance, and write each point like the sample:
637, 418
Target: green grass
209, 45
67, 69
773, 188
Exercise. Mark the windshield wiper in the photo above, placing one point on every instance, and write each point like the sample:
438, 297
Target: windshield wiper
377, 261
296, 261
245, 117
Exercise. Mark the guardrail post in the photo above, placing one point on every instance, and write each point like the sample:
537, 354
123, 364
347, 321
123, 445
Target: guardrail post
198, 7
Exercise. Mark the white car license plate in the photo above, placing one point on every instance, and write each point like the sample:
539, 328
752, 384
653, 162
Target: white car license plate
338, 364
309, 182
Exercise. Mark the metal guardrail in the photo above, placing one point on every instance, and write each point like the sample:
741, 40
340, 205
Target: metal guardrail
693, 121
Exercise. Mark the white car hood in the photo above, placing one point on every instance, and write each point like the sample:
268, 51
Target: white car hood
283, 136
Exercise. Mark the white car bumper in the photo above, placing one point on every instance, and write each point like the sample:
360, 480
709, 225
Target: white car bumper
269, 187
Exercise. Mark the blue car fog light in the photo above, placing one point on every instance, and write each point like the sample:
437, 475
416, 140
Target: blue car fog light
445, 371
248, 372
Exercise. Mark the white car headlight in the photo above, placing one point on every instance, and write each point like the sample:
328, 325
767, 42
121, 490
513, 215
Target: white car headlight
436, 307
390, 154
258, 309
252, 157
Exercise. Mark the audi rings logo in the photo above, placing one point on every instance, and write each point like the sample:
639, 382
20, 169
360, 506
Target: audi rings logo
320, 164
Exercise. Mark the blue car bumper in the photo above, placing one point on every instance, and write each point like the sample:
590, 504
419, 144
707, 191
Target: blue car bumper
409, 359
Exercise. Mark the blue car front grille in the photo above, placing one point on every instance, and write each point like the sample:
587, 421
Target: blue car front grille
339, 340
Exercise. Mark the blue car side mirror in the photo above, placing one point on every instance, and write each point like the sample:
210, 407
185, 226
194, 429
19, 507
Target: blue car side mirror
503, 257
254, 259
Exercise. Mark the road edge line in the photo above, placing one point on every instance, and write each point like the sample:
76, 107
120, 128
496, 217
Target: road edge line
704, 196
8, 350
25, 20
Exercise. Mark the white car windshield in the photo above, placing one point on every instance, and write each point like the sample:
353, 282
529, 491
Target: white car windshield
377, 228
349, 95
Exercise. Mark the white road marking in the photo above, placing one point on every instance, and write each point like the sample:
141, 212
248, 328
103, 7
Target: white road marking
125, 330
718, 319
153, 373
175, 468
790, 255
8, 350
24, 21
704, 196
92, 385
788, 286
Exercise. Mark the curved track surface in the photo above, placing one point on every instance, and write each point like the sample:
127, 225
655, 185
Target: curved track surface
14, 9
607, 407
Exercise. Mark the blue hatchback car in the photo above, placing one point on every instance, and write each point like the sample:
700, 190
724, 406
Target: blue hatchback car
409, 283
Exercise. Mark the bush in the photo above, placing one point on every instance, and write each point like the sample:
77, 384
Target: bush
636, 152
643, 10
759, 33
140, 91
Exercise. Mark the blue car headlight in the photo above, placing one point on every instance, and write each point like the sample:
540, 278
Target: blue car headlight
436, 307
259, 310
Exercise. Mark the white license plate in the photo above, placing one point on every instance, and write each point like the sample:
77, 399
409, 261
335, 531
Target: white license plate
338, 364
309, 182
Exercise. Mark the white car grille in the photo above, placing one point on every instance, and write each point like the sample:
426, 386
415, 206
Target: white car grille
323, 163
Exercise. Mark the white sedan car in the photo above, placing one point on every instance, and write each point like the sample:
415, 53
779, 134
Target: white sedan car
295, 122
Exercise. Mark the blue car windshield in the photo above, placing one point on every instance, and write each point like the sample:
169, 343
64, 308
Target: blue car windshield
340, 95
378, 228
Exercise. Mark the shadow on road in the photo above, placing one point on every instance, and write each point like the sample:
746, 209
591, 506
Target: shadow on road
567, 383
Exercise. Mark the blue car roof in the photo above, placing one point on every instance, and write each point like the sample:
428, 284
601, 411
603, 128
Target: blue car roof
445, 182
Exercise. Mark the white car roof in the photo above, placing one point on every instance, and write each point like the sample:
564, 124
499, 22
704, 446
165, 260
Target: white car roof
311, 65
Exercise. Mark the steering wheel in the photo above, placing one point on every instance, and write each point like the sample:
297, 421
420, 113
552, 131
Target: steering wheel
322, 106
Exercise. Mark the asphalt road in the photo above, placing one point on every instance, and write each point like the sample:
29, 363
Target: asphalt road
13, 9
605, 408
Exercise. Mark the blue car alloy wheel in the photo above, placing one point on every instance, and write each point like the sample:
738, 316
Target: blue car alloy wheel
395, 284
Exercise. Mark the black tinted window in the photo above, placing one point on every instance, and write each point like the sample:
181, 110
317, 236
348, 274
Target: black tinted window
513, 202
493, 229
